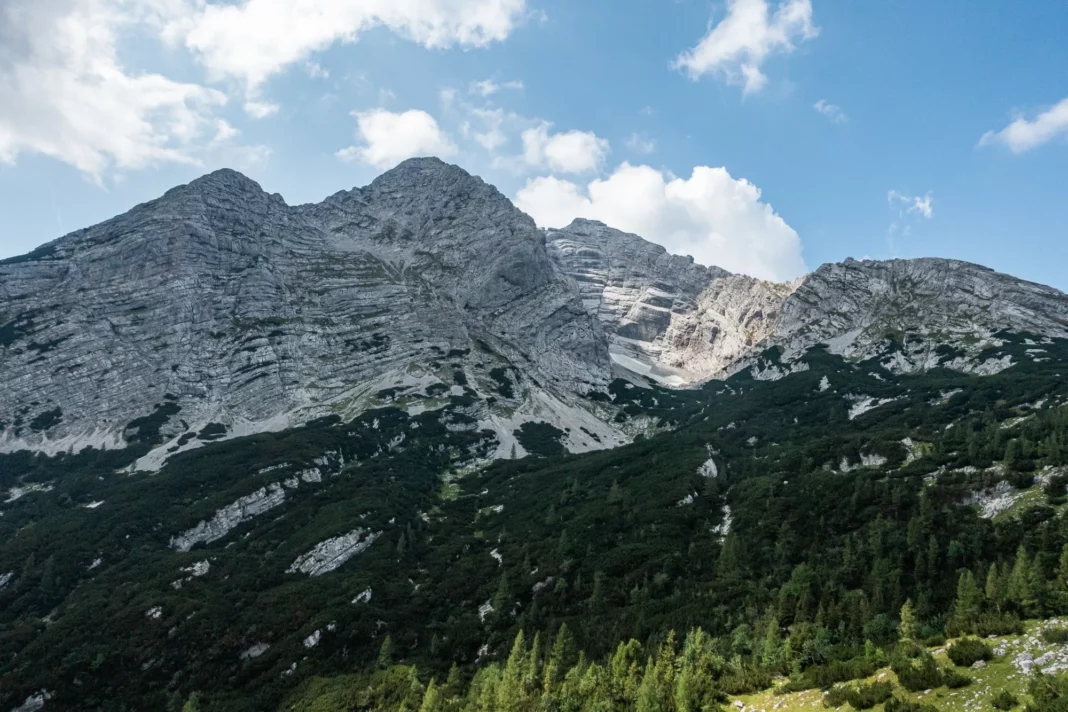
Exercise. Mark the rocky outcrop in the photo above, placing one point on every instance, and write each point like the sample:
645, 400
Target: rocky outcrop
332, 553
230, 517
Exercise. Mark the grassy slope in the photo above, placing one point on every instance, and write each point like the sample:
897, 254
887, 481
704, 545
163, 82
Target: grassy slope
998, 675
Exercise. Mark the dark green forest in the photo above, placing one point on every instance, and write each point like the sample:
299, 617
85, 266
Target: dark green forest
829, 541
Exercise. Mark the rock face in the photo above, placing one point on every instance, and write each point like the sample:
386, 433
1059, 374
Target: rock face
666, 317
223, 303
218, 310
855, 306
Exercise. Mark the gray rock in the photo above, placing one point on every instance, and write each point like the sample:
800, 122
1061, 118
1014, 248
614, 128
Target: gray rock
332, 553
230, 517
219, 303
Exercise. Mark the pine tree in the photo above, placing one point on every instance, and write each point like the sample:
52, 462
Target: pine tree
192, 704
502, 599
771, 656
559, 660
995, 587
432, 701
1019, 589
910, 627
510, 693
385, 653
615, 494
969, 602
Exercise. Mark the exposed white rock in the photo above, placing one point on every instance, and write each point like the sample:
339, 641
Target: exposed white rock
312, 475
913, 451
34, 703
540, 586
484, 610
96, 562
229, 517
497, 557
255, 651
688, 499
312, 640
155, 613
825, 384
708, 468
5, 579
22, 490
863, 404
332, 553
199, 568
94, 505
364, 596
724, 527
994, 500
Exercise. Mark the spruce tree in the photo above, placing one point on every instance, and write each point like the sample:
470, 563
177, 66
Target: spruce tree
385, 653
910, 627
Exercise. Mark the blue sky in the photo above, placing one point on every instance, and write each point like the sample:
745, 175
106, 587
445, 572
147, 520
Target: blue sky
765, 136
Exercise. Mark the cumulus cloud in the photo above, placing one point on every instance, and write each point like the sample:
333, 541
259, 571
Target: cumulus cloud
569, 152
750, 33
389, 138
64, 92
920, 205
251, 40
718, 219
1023, 135
831, 111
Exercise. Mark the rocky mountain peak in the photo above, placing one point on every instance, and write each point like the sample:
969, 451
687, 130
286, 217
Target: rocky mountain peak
227, 305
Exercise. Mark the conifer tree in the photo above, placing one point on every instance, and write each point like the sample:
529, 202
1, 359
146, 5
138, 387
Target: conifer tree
910, 627
969, 602
385, 653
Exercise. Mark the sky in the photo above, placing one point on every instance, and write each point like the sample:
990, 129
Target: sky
763, 136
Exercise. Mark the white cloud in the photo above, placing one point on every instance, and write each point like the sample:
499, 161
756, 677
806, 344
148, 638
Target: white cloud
1023, 135
224, 131
389, 138
488, 87
831, 111
491, 121
718, 219
251, 40
260, 109
923, 206
640, 143
570, 152
739, 44
64, 92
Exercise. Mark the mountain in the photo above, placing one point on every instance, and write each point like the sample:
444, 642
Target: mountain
312, 457
217, 311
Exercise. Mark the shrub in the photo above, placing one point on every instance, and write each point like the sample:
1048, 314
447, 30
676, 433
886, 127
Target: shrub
954, 679
919, 674
745, 681
1055, 635
862, 697
1004, 700
896, 704
967, 651
823, 676
867, 696
997, 624
1049, 693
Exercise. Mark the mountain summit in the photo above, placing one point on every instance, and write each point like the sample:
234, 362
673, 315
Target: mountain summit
223, 303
